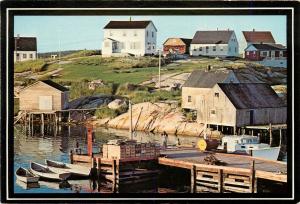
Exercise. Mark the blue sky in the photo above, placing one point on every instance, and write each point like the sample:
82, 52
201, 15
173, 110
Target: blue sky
86, 32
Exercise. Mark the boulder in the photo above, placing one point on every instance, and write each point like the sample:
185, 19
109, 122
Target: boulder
116, 104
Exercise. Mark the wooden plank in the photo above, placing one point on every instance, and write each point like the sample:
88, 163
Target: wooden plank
236, 189
238, 177
206, 179
212, 175
271, 176
175, 163
82, 158
212, 185
234, 180
205, 189
237, 183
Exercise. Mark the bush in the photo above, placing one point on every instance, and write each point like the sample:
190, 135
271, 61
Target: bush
127, 89
32, 65
106, 112
79, 89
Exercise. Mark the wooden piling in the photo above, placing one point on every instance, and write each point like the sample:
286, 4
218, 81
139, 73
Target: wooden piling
71, 157
253, 182
220, 183
193, 179
114, 174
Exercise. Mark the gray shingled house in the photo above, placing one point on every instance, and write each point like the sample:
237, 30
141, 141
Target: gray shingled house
237, 105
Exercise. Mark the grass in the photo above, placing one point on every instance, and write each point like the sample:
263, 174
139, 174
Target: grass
16, 106
32, 65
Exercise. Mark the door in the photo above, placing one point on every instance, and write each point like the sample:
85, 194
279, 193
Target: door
45, 102
251, 117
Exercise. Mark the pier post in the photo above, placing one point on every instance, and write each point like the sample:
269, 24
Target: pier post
114, 172
71, 156
253, 180
220, 182
271, 136
193, 179
98, 168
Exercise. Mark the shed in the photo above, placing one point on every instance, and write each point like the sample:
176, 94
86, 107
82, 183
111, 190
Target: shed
242, 104
44, 95
177, 46
200, 82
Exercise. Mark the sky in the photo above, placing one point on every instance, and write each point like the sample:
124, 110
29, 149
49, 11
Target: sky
56, 33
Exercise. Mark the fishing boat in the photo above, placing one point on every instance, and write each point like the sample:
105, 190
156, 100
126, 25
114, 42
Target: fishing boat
25, 176
45, 173
75, 170
249, 145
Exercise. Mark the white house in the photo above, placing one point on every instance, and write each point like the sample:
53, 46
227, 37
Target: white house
215, 43
129, 37
25, 49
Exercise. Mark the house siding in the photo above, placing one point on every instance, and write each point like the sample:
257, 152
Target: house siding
24, 56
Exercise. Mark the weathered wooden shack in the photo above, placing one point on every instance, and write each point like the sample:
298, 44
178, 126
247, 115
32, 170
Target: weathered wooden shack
44, 96
177, 46
240, 104
199, 84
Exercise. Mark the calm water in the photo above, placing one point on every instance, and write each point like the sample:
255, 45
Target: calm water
56, 144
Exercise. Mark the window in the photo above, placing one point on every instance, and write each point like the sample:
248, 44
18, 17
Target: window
221, 48
247, 53
24, 56
147, 33
135, 45
216, 94
124, 33
135, 33
213, 112
189, 99
110, 33
195, 49
31, 56
200, 48
243, 147
152, 34
264, 54
214, 48
153, 47
280, 54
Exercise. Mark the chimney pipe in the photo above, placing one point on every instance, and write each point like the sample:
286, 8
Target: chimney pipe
253, 30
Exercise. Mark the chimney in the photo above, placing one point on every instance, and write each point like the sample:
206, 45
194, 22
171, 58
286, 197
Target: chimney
130, 18
217, 29
253, 30
18, 36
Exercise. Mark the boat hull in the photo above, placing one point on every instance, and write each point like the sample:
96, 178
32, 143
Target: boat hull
25, 176
45, 173
75, 170
268, 153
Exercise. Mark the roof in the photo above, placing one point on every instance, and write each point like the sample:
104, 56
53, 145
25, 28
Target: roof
259, 36
251, 95
206, 79
50, 83
212, 37
127, 24
268, 46
25, 44
186, 41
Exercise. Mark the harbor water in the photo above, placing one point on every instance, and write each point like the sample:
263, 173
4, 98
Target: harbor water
53, 143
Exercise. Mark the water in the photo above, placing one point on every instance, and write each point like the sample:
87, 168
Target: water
55, 145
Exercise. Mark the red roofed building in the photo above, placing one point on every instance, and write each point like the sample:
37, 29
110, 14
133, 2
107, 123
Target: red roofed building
258, 37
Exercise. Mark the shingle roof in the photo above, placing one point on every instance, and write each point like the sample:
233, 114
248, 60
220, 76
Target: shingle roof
205, 79
212, 37
127, 24
186, 41
259, 36
269, 47
55, 85
25, 44
251, 95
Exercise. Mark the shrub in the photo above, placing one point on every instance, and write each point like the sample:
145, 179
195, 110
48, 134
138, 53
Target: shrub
106, 112
79, 89
32, 65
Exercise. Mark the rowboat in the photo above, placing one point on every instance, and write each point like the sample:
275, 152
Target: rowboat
25, 176
27, 186
60, 167
46, 173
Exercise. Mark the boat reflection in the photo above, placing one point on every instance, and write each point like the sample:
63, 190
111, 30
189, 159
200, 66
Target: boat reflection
55, 185
27, 186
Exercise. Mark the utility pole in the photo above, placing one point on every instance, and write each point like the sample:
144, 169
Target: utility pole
59, 46
130, 119
159, 64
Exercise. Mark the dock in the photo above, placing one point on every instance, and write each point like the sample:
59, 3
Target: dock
240, 173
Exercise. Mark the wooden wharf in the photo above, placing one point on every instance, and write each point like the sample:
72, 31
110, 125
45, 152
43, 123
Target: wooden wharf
240, 173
